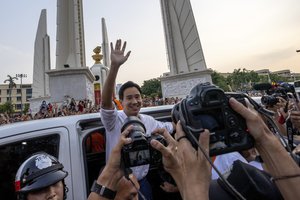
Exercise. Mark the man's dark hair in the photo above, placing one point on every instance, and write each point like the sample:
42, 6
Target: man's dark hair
126, 85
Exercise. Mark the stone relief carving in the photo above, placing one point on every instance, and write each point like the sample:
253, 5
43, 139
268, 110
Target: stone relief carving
180, 87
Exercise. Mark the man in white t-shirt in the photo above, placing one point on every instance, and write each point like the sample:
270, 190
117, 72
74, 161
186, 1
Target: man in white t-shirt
130, 96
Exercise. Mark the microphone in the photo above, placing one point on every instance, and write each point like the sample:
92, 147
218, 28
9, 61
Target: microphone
262, 86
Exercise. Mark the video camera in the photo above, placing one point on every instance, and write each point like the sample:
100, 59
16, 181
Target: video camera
283, 90
207, 107
139, 151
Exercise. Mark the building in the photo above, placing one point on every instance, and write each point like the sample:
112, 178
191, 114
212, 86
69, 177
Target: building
18, 95
287, 74
263, 71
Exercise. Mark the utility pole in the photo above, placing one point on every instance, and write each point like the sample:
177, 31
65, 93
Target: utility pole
21, 76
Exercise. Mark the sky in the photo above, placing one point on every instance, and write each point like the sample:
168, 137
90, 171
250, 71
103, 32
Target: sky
251, 34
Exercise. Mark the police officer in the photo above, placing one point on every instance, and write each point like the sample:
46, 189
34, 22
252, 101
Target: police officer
41, 177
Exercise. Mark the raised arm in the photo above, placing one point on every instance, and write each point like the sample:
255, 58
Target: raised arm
117, 59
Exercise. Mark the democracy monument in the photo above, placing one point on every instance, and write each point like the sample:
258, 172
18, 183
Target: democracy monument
185, 56
71, 78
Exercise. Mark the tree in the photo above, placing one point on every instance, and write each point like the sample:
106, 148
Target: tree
11, 84
242, 79
273, 77
7, 107
152, 88
26, 108
219, 80
277, 78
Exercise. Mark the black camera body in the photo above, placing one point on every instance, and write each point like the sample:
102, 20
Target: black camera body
207, 107
139, 151
275, 91
271, 100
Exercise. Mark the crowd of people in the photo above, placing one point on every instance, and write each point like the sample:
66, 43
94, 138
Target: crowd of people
190, 167
49, 110
156, 101
73, 107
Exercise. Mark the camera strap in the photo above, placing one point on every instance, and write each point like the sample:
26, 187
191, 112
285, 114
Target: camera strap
271, 127
289, 132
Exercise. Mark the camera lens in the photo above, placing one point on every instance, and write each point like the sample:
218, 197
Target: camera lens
136, 122
137, 152
269, 100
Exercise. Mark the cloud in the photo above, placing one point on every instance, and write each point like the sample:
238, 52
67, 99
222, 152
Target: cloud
273, 56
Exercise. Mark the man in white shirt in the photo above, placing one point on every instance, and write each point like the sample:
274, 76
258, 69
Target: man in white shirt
130, 96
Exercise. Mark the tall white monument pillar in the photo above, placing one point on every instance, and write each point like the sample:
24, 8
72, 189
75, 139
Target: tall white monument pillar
186, 59
70, 46
71, 77
105, 44
41, 64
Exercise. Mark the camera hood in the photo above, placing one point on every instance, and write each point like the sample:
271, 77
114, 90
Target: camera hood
197, 105
207, 107
135, 121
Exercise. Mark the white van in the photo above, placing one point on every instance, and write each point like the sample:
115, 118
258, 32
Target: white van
71, 139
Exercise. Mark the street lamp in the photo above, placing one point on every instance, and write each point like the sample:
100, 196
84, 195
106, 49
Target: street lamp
21, 76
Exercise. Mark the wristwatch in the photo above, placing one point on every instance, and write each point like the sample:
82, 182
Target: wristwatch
103, 191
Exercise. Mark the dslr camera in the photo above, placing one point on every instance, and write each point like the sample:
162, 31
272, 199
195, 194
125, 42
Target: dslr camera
139, 151
274, 91
207, 107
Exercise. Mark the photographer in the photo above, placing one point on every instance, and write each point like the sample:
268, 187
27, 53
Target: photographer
292, 113
131, 99
279, 114
295, 119
286, 173
188, 167
190, 170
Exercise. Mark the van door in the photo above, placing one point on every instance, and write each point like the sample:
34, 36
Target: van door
93, 149
17, 148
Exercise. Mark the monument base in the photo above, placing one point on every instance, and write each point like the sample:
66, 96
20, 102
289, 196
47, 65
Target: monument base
74, 83
180, 85
35, 103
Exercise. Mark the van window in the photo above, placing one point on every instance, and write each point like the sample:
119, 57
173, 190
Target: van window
94, 151
14, 154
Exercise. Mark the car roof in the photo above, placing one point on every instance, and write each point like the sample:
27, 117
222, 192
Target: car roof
66, 121
28, 126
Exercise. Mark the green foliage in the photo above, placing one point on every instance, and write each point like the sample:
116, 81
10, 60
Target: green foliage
7, 107
242, 79
273, 78
277, 78
152, 88
219, 80
26, 108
